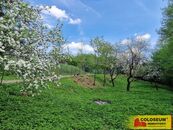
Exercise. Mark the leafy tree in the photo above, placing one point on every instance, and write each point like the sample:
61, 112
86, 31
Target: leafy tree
95, 44
86, 60
106, 58
113, 65
164, 55
101, 48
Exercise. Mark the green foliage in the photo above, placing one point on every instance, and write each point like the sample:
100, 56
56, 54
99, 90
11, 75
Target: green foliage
103, 50
167, 22
105, 57
164, 56
66, 69
71, 106
10, 77
85, 61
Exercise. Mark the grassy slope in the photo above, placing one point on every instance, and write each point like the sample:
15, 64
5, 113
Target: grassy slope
69, 69
71, 106
10, 77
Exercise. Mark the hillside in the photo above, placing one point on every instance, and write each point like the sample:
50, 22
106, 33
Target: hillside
72, 106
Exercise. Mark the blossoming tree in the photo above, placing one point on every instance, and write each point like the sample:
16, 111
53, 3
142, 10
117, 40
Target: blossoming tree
133, 56
24, 43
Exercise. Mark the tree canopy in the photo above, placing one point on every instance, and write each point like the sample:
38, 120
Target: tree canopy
163, 57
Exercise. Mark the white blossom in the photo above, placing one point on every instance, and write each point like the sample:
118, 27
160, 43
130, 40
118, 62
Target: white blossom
24, 42
1, 50
6, 67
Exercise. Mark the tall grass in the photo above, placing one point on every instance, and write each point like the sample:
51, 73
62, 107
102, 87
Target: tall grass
66, 69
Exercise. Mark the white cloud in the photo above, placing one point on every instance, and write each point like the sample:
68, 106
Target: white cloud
57, 13
125, 42
145, 37
75, 47
60, 14
141, 38
75, 21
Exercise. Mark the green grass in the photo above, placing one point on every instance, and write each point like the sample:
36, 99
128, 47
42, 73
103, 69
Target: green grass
66, 69
71, 106
10, 77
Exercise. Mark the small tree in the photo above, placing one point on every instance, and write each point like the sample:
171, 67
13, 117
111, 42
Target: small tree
104, 50
95, 44
101, 49
133, 57
113, 65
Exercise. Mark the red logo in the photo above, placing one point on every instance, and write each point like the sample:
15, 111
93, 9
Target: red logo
138, 123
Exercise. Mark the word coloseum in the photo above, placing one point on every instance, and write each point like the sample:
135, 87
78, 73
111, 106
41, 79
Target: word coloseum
153, 119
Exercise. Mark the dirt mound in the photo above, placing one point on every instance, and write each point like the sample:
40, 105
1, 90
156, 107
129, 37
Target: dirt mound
84, 80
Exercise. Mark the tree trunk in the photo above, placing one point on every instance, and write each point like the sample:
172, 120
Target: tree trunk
95, 71
112, 80
104, 77
130, 76
128, 83
2, 76
94, 83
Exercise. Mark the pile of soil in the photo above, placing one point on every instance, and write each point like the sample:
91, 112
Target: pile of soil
84, 80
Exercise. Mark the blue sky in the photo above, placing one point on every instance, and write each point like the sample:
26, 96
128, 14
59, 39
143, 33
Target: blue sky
115, 20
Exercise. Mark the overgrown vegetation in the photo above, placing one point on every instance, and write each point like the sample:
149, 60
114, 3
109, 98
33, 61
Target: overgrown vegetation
163, 57
71, 106
66, 69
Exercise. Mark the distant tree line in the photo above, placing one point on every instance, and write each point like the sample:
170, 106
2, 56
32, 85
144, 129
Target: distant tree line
131, 57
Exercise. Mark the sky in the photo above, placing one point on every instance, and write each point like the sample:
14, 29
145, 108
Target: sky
115, 20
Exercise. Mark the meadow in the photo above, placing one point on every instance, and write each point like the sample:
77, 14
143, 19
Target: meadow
71, 106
